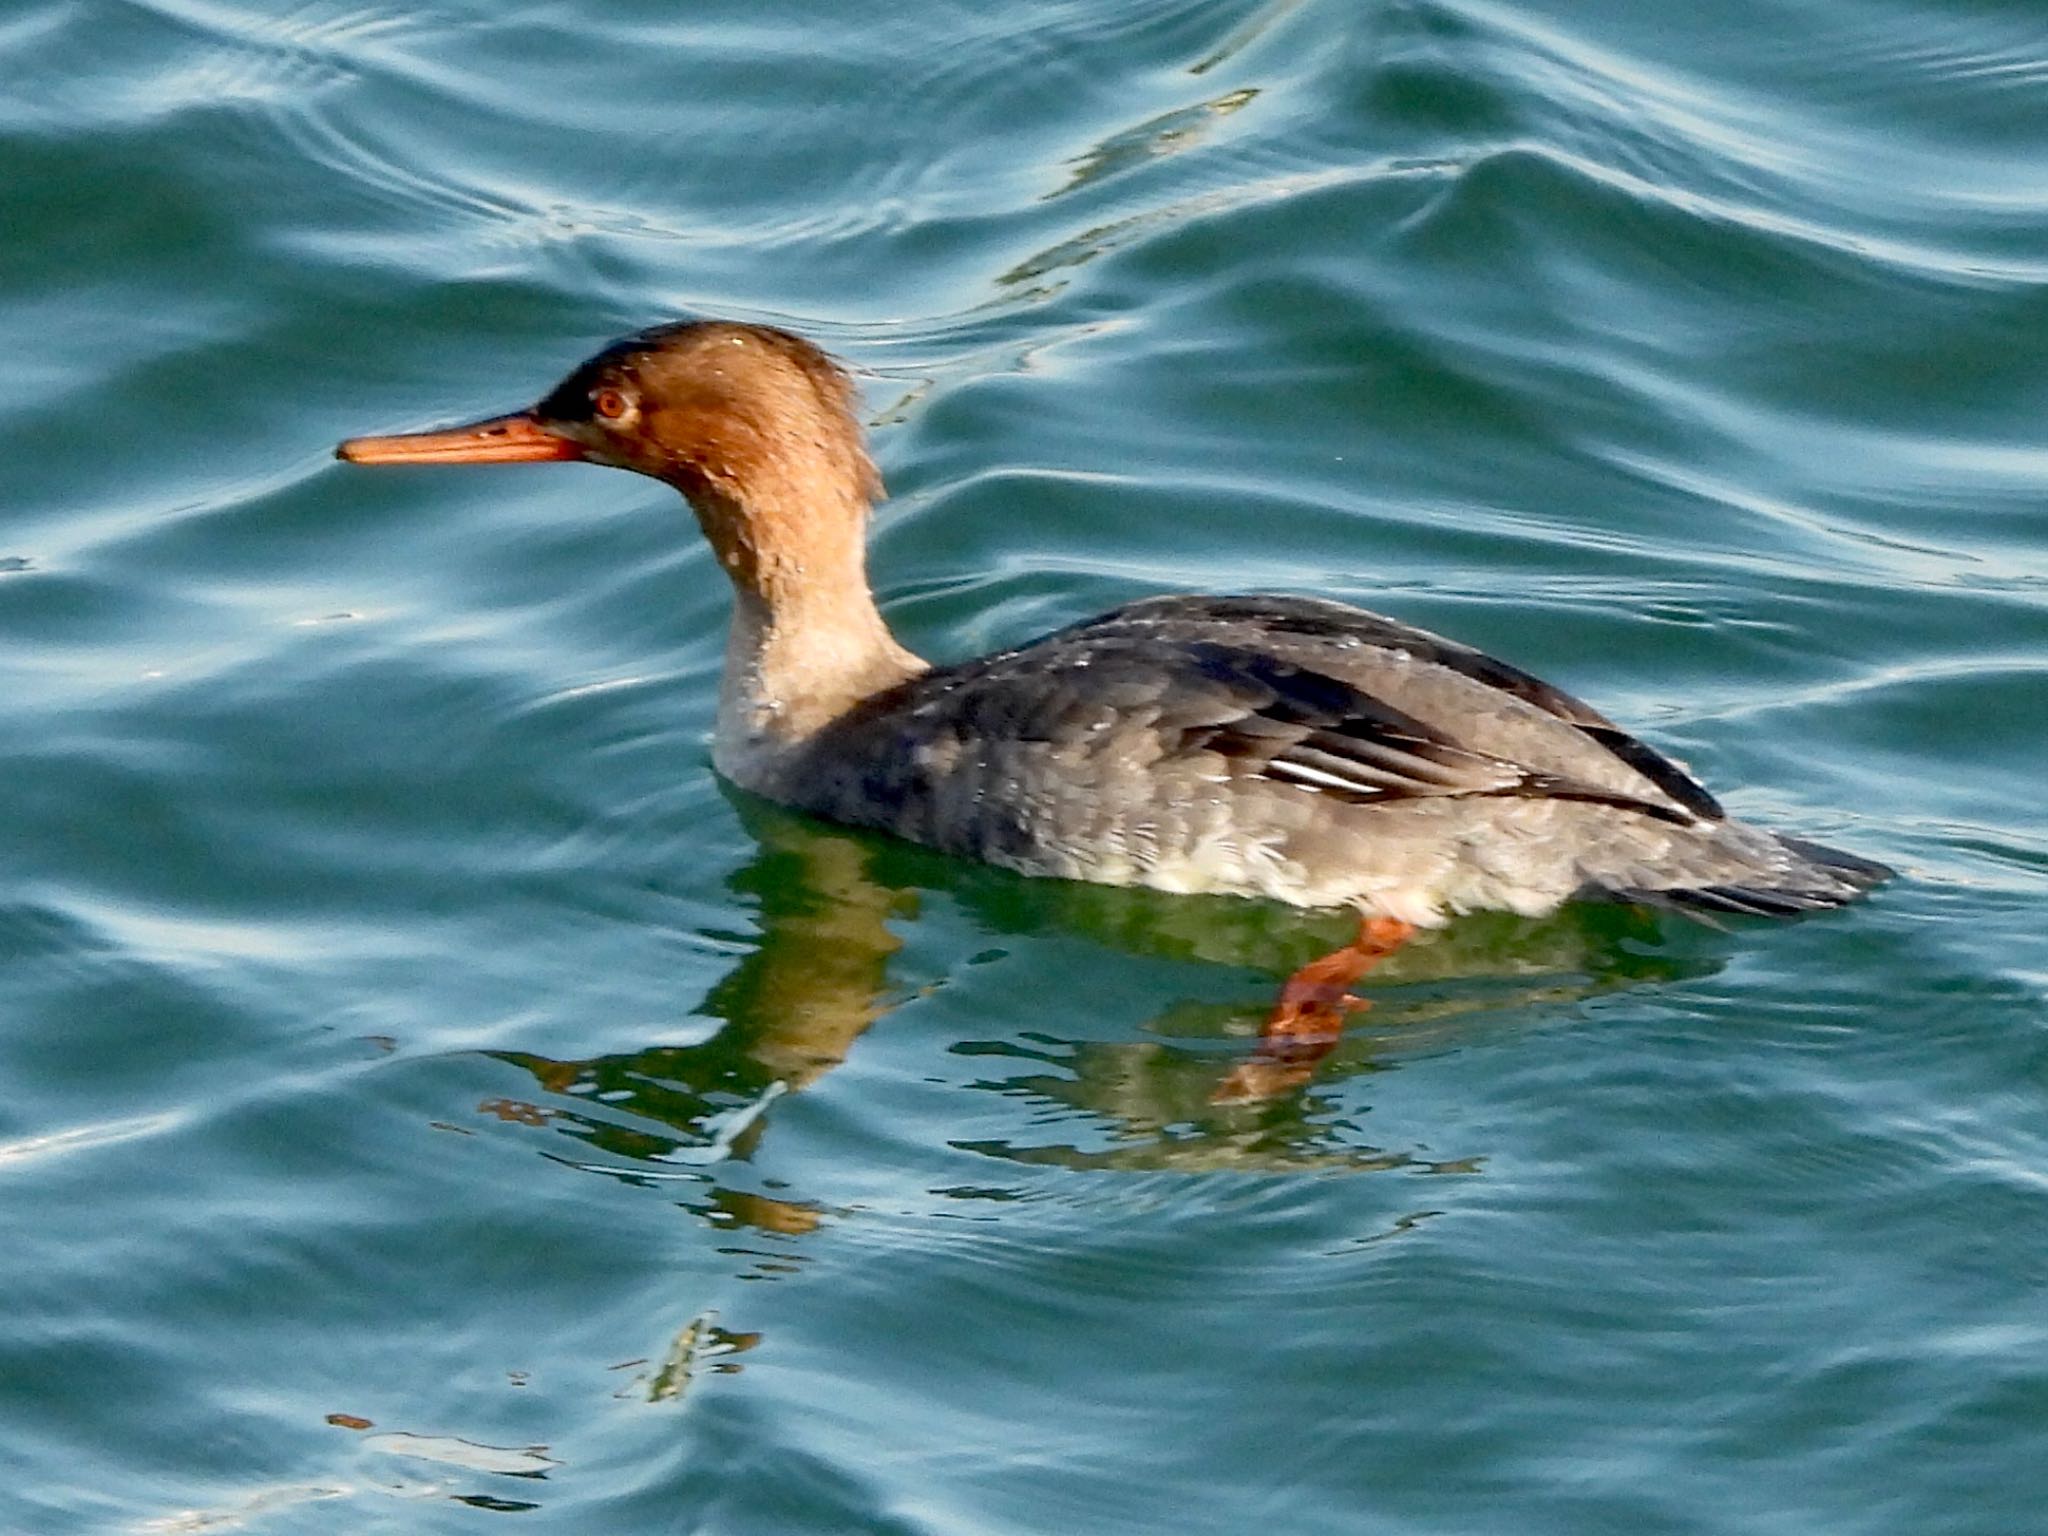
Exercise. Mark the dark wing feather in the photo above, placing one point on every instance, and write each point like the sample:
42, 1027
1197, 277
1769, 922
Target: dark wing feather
1296, 726
1321, 620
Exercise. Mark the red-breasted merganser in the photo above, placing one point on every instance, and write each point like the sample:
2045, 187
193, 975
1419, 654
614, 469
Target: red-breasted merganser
1285, 747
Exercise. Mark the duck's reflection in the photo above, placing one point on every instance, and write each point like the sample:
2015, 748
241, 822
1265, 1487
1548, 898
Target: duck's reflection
817, 976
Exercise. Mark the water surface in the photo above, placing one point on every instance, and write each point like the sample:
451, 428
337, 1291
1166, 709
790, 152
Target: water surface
427, 1097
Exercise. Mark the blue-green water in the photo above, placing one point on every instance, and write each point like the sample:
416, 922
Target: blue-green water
428, 1099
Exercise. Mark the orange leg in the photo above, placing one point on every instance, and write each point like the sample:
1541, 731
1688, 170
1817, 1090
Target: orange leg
1308, 1020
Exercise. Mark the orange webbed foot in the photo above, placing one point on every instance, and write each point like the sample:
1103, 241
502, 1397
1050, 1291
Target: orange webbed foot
1307, 1020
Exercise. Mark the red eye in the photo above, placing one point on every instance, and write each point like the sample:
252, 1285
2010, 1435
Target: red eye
609, 403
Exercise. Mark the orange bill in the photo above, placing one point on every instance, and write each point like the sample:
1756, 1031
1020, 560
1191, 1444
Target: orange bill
516, 439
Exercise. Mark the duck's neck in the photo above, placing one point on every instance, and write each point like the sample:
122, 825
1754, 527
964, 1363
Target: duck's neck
807, 642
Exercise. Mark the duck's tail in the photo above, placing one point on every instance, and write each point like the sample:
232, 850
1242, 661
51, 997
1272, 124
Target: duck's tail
1784, 876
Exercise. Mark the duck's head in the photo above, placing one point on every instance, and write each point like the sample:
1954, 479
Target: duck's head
753, 425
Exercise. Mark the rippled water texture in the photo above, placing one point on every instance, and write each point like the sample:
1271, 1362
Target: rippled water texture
426, 1097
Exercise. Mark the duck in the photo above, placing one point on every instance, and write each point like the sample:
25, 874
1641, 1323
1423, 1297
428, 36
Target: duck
1277, 746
